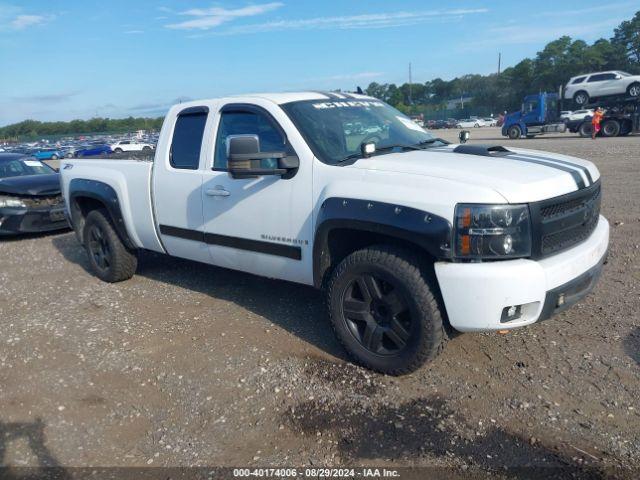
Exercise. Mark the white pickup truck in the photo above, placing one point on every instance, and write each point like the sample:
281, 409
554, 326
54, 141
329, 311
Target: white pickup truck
411, 237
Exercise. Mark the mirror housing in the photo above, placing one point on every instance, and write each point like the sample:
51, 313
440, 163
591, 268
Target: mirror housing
464, 136
244, 158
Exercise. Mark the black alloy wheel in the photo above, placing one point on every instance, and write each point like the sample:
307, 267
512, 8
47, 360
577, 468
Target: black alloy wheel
99, 247
377, 315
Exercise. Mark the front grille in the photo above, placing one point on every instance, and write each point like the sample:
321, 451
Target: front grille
562, 222
43, 202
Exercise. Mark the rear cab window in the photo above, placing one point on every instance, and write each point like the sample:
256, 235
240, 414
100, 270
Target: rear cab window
578, 80
187, 138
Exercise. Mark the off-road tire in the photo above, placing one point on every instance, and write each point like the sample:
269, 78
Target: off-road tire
416, 285
514, 132
122, 262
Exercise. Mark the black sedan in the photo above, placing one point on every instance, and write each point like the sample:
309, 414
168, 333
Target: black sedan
30, 197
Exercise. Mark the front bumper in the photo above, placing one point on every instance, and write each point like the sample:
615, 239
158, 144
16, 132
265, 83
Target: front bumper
476, 294
20, 220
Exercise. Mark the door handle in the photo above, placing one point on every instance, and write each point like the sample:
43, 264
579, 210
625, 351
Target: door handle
217, 192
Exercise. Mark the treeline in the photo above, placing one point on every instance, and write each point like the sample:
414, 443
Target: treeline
551, 68
35, 129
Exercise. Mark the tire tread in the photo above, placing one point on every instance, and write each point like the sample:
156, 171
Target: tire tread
413, 271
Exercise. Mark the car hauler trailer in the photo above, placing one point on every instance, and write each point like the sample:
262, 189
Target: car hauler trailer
540, 114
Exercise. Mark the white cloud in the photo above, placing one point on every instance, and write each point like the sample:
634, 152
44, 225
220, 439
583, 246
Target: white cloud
348, 22
133, 32
207, 18
24, 21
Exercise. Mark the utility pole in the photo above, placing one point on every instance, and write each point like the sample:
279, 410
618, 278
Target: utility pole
499, 60
410, 88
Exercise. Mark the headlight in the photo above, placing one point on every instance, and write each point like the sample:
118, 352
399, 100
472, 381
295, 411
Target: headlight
11, 202
492, 231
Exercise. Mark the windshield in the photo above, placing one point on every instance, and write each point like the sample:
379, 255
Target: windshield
336, 129
21, 167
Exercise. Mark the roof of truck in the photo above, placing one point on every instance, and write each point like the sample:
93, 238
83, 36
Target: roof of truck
287, 97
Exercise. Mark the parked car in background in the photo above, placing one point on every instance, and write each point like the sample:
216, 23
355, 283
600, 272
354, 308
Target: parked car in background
470, 123
130, 146
47, 154
585, 88
577, 115
490, 121
30, 197
565, 113
91, 150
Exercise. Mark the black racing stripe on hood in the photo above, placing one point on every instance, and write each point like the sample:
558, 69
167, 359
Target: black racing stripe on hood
582, 168
574, 173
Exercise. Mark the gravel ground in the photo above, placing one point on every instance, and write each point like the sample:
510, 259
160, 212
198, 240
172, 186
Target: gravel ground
188, 365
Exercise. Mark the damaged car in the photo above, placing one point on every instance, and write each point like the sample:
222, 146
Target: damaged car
30, 197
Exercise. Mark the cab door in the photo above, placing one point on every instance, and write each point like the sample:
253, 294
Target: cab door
177, 184
261, 225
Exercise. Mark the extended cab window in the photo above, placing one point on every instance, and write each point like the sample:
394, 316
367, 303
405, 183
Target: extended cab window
187, 140
247, 123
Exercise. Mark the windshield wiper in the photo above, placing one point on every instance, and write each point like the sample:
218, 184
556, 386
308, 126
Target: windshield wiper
387, 148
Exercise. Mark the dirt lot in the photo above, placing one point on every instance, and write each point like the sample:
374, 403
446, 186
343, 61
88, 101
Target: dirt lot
187, 364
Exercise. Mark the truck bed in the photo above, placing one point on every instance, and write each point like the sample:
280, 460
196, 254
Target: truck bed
130, 176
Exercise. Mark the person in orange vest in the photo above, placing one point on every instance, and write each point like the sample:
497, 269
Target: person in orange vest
595, 122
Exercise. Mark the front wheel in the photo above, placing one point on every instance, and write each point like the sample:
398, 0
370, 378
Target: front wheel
117, 150
514, 132
110, 259
383, 310
54, 157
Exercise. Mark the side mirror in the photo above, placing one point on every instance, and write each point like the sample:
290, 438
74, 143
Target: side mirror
245, 160
464, 136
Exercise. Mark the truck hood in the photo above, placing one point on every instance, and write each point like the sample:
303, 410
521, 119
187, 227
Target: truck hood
48, 184
518, 175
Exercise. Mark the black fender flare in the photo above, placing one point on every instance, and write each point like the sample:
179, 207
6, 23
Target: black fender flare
430, 232
106, 195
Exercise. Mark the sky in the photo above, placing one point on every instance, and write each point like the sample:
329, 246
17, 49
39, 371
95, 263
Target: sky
66, 59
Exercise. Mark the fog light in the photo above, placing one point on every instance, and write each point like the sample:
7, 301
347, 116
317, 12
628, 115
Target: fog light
511, 313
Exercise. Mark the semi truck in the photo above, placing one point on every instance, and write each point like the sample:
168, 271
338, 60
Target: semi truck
540, 114
410, 237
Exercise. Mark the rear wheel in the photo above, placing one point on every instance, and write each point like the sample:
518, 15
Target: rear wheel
146, 148
611, 128
110, 259
383, 310
581, 97
585, 129
634, 90
117, 150
54, 157
514, 132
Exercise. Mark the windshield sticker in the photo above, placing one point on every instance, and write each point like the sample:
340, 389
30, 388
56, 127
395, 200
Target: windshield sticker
410, 124
356, 104
32, 163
